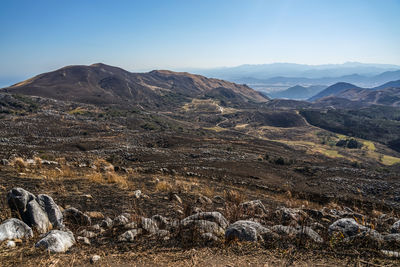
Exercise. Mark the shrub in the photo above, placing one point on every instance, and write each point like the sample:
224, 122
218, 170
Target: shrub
279, 161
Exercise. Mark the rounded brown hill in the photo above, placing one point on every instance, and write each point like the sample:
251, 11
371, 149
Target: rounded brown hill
103, 84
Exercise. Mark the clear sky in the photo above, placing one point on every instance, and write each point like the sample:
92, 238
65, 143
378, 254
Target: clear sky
40, 35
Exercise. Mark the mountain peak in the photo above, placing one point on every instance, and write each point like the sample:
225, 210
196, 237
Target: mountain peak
103, 84
333, 90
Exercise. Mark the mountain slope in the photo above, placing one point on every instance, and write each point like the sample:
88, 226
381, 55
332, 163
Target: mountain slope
103, 84
388, 96
298, 92
388, 85
333, 90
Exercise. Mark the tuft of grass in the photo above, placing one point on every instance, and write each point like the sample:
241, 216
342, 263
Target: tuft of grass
108, 178
208, 191
234, 196
19, 164
163, 186
103, 165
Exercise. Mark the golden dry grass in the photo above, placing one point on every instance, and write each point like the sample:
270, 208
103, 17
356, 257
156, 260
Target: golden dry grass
215, 128
19, 164
108, 178
234, 196
103, 165
163, 186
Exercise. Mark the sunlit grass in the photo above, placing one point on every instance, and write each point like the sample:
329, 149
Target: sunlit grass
369, 145
216, 129
328, 152
77, 110
389, 160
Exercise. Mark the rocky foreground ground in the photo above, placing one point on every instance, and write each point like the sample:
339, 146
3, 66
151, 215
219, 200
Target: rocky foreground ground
39, 230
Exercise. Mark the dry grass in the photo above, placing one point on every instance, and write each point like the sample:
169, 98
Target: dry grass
163, 186
108, 178
19, 164
103, 165
102, 173
234, 196
208, 191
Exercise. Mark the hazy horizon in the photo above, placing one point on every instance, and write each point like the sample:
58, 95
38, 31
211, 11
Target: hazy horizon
44, 35
10, 80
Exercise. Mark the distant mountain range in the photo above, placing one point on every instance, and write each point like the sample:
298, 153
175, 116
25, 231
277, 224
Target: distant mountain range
341, 94
103, 84
266, 71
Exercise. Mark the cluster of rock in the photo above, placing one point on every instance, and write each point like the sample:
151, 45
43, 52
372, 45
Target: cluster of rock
40, 214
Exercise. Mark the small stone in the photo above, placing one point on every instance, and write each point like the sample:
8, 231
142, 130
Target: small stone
88, 234
106, 223
120, 220
129, 236
11, 244
83, 240
94, 259
137, 194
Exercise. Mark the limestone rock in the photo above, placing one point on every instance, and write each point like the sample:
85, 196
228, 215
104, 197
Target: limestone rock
129, 236
347, 226
56, 241
246, 231
149, 225
209, 216
13, 229
51, 208
37, 217
120, 220
107, 223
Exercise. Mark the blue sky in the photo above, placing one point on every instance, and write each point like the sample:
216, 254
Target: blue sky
38, 35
